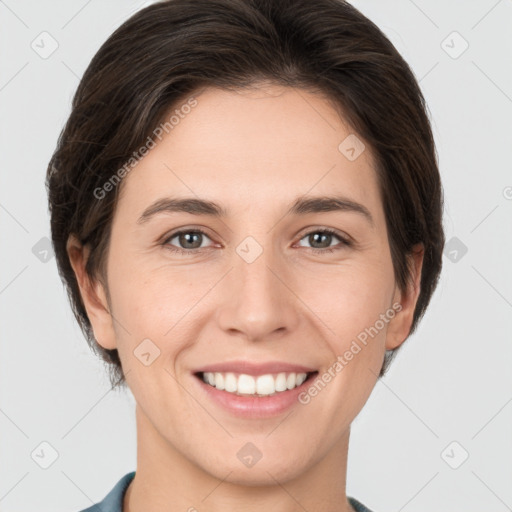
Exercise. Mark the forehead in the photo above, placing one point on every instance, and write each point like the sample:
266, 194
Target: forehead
262, 146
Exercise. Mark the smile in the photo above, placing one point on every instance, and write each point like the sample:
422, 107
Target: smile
249, 385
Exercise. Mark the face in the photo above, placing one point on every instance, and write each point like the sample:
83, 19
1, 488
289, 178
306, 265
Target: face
274, 283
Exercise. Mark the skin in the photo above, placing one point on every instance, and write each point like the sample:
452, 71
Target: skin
253, 152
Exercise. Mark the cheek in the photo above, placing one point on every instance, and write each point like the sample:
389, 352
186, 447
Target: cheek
148, 292
350, 298
151, 303
351, 302
158, 326
159, 301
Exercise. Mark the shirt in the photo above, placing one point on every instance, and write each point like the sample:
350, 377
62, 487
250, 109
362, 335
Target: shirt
113, 501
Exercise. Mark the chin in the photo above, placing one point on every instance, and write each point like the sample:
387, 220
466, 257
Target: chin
265, 471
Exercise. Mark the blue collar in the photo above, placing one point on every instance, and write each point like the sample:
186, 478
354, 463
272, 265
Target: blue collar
113, 501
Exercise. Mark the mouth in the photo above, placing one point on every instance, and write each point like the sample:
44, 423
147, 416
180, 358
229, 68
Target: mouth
260, 386
254, 390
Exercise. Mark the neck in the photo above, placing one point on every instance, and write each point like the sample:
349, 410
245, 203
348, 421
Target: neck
166, 480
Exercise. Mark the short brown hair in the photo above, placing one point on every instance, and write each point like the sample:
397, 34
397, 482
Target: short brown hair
173, 48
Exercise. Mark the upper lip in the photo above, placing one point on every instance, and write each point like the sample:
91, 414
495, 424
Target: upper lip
251, 368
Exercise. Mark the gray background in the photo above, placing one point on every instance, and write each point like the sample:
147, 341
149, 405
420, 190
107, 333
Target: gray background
451, 383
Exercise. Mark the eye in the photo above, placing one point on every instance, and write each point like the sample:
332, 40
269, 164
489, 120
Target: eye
189, 239
324, 237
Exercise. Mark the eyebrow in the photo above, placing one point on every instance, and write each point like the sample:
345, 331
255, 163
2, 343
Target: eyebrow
301, 206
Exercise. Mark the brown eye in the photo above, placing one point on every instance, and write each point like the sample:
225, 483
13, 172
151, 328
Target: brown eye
321, 240
186, 241
324, 239
190, 240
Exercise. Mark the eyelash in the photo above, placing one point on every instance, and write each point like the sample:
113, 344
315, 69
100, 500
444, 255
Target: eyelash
344, 241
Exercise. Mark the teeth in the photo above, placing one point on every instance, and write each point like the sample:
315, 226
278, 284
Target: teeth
301, 377
230, 382
219, 381
263, 385
281, 382
246, 384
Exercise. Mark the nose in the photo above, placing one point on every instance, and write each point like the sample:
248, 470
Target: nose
258, 299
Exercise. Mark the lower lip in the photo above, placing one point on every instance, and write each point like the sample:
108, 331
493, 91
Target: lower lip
254, 406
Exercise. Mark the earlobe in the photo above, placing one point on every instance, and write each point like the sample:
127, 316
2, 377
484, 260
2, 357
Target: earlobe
400, 327
93, 295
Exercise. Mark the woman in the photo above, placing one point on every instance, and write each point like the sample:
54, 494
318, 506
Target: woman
246, 210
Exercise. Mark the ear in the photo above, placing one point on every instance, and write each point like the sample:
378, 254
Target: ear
93, 295
400, 326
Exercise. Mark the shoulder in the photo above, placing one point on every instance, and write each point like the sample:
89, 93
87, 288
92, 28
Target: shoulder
357, 505
113, 501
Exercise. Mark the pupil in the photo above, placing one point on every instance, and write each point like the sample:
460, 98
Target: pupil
185, 240
315, 237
